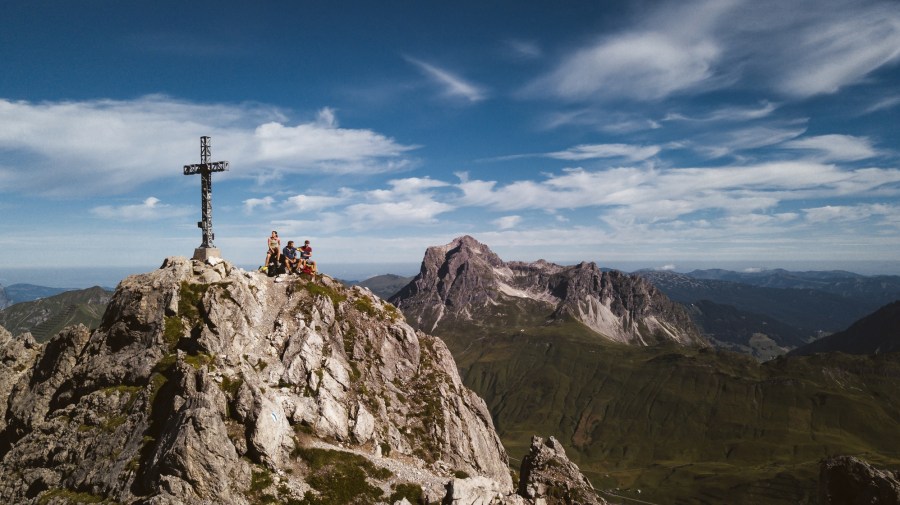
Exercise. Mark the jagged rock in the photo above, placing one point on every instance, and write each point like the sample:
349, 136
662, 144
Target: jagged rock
548, 477
208, 384
466, 281
17, 355
846, 480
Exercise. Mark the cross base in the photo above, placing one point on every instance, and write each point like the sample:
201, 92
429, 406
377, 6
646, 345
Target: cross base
204, 253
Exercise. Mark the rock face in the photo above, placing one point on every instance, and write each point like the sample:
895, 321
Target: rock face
465, 281
548, 477
208, 384
845, 480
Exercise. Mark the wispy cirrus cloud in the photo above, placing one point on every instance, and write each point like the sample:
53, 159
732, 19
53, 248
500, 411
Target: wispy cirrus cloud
797, 49
836, 147
595, 151
452, 86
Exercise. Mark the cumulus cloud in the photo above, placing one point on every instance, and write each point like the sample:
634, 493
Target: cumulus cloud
451, 85
112, 146
312, 203
148, 210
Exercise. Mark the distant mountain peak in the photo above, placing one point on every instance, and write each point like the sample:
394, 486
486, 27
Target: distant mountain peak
466, 281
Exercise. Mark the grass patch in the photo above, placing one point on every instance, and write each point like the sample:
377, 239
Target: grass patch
340, 477
260, 481
364, 304
69, 496
317, 290
412, 493
200, 360
174, 330
231, 386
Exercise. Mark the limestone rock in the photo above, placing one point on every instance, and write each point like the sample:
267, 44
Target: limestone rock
465, 281
548, 477
208, 384
847, 480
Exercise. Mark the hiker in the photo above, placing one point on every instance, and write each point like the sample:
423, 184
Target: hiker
291, 260
305, 254
274, 244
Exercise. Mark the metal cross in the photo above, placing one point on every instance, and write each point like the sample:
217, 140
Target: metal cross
205, 169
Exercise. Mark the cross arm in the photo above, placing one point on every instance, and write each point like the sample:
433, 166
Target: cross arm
215, 166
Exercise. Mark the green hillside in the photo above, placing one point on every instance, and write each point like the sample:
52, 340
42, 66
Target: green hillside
683, 425
44, 318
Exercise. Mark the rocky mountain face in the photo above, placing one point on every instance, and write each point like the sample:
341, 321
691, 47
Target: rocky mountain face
465, 282
208, 384
845, 480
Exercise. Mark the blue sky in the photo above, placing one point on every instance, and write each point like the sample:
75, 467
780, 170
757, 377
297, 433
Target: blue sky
638, 131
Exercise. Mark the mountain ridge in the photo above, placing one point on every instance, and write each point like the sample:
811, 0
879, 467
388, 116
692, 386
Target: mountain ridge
464, 280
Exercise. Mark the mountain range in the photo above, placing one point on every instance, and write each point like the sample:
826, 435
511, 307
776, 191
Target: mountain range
669, 420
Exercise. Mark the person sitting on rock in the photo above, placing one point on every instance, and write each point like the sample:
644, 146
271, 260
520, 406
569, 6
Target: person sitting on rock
291, 260
273, 255
305, 255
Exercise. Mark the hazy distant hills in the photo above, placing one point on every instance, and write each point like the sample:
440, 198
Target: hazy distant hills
878, 332
45, 317
787, 308
18, 293
384, 285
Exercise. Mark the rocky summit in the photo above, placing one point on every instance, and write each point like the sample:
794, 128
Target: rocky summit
464, 282
208, 384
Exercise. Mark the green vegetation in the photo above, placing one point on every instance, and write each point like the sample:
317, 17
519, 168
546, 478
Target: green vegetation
200, 360
316, 290
47, 316
174, 329
426, 396
231, 386
340, 477
364, 305
684, 425
68, 496
260, 481
412, 492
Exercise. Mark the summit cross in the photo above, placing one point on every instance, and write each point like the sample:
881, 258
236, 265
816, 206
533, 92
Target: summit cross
205, 168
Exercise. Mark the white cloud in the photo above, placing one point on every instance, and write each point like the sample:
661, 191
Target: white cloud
507, 222
836, 147
593, 151
765, 109
150, 209
112, 146
850, 213
643, 65
799, 49
252, 203
524, 49
453, 86
313, 203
